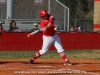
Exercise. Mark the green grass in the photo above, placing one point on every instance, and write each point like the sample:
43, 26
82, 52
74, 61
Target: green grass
16, 54
71, 54
84, 54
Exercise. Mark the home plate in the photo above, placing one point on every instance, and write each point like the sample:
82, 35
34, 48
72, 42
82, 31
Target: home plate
44, 66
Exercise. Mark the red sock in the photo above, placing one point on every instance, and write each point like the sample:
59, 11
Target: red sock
36, 55
62, 54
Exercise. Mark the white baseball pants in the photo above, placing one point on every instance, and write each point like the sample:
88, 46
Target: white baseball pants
47, 41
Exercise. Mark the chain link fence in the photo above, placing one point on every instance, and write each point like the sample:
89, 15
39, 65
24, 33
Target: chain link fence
87, 24
27, 12
26, 9
3, 11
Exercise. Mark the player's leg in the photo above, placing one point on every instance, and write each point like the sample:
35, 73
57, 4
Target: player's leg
47, 41
60, 50
31, 61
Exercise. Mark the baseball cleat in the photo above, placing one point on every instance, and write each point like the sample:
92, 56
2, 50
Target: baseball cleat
31, 61
67, 63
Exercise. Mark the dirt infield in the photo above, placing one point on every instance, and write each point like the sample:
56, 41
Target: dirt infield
48, 67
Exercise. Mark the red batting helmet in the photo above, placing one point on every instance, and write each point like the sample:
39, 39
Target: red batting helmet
43, 12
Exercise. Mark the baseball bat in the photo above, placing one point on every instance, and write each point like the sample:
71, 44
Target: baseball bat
35, 32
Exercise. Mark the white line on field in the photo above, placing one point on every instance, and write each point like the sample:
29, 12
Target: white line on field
68, 70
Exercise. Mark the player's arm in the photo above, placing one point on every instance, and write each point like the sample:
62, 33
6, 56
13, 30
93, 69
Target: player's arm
49, 25
51, 20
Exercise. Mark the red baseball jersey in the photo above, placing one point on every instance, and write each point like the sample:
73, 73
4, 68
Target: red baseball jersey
49, 31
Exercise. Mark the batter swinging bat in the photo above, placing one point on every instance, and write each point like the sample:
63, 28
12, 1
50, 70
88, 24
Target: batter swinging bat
42, 29
34, 32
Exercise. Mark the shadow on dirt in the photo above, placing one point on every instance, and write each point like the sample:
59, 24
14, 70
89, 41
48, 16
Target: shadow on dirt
83, 63
26, 62
6, 62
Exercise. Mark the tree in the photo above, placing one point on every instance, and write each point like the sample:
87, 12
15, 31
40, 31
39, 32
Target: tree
79, 8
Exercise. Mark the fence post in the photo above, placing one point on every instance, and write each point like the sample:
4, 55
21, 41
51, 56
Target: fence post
9, 9
48, 6
65, 15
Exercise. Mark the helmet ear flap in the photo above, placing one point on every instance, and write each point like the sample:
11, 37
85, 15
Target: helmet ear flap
42, 13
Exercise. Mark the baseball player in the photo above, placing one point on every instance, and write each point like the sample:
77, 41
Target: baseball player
49, 37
